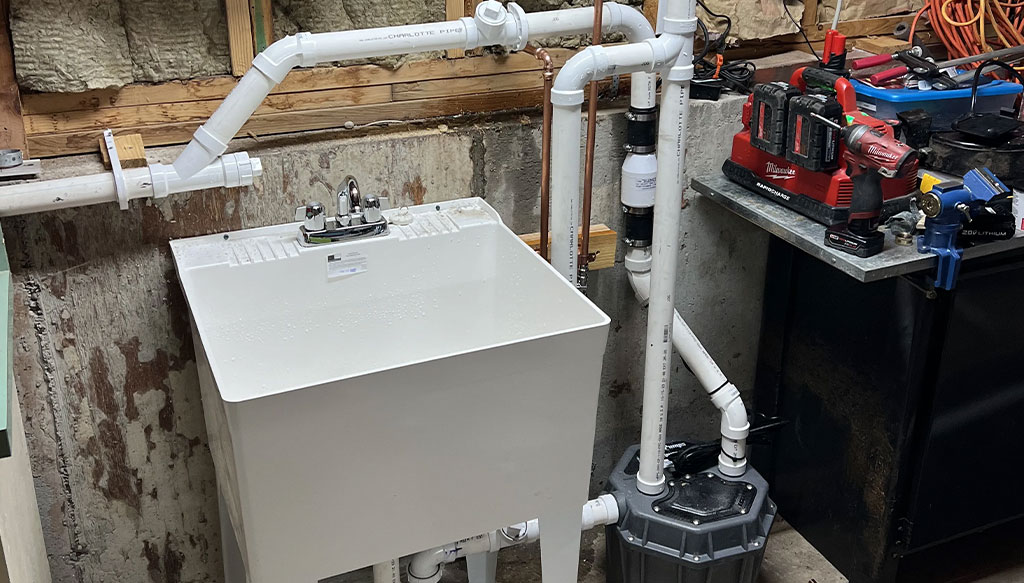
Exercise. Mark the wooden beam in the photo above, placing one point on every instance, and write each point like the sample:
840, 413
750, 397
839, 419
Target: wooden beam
84, 141
810, 18
240, 40
651, 11
160, 113
261, 14
300, 81
12, 127
602, 241
467, 85
454, 10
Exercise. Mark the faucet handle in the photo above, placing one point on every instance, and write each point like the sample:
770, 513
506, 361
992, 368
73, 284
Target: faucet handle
371, 208
312, 216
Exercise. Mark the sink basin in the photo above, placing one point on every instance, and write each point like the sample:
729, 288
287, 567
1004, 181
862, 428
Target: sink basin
370, 399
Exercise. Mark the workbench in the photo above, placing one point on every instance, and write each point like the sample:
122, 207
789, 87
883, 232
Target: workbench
904, 403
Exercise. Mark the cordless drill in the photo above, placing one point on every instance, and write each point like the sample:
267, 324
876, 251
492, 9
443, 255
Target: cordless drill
870, 155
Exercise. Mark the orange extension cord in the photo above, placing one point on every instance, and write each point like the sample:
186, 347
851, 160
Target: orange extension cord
961, 24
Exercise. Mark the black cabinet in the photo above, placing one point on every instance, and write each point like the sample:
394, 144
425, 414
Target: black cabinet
905, 440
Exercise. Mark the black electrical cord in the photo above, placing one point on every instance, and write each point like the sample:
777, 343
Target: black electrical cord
736, 75
801, 29
720, 43
707, 42
977, 77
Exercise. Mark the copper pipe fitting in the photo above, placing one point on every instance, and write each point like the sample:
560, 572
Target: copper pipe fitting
545, 149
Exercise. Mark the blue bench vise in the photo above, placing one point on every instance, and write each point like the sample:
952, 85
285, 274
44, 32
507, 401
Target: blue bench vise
960, 213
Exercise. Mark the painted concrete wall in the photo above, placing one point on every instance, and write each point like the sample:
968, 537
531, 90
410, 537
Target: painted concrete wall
105, 363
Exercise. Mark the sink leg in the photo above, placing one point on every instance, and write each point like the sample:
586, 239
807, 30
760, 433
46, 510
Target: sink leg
560, 544
482, 567
234, 568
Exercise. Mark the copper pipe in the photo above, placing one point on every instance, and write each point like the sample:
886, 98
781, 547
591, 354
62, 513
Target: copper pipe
588, 169
545, 149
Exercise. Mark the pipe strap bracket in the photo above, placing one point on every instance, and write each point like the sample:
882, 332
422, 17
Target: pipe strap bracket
115, 167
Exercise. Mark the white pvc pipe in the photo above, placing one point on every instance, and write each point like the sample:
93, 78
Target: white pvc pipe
600, 511
427, 566
593, 63
387, 572
156, 180
566, 126
735, 427
493, 24
679, 18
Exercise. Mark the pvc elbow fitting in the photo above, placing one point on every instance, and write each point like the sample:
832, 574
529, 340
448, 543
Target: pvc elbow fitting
629, 21
427, 567
277, 60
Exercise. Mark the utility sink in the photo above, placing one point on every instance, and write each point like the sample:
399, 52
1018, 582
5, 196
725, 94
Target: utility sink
370, 399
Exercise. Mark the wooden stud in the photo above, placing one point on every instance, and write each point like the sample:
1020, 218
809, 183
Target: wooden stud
240, 41
454, 10
261, 14
602, 241
650, 11
810, 18
12, 127
130, 151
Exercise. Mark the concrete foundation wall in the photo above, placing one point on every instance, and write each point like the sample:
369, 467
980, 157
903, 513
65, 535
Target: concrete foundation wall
105, 364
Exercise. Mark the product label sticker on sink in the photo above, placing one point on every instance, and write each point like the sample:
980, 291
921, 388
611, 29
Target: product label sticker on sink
344, 264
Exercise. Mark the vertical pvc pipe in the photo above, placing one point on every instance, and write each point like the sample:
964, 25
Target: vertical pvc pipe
566, 125
387, 572
665, 253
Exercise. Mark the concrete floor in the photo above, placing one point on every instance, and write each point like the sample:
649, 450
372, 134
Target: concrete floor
788, 559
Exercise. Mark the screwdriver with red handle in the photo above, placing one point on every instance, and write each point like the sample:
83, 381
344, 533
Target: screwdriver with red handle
868, 62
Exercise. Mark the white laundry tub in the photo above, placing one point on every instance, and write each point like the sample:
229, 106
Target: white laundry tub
374, 398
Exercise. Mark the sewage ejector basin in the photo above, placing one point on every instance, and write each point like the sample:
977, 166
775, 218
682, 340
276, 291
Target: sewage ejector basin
374, 398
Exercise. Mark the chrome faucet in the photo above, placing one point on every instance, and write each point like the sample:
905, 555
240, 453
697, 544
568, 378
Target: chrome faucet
358, 216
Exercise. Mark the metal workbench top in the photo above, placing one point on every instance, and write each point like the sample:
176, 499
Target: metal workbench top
809, 236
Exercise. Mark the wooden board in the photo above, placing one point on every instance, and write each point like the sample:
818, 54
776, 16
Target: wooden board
58, 144
261, 14
240, 41
467, 86
885, 45
197, 110
602, 241
298, 81
651, 11
12, 129
131, 152
454, 10
810, 18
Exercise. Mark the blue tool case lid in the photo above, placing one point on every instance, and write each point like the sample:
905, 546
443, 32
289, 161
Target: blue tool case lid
909, 95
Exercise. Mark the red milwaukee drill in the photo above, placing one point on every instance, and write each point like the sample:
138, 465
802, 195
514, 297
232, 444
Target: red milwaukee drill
870, 155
